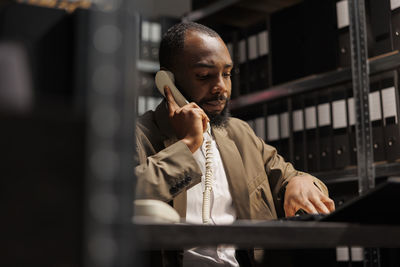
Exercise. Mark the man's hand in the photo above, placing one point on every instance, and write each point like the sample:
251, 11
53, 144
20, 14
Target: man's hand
189, 122
301, 193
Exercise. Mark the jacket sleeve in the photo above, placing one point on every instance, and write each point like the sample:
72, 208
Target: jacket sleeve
163, 175
281, 172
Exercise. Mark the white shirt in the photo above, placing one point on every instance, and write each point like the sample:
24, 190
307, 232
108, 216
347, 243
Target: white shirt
222, 211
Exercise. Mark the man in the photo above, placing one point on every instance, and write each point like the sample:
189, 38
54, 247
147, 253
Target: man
250, 179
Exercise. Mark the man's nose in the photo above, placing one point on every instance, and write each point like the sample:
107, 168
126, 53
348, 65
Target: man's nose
220, 87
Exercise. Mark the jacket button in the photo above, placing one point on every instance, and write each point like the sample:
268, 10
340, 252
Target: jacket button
188, 179
173, 190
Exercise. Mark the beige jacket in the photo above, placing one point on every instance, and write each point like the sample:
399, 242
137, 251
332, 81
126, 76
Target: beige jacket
256, 173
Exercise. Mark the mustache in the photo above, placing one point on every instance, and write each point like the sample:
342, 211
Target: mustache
217, 98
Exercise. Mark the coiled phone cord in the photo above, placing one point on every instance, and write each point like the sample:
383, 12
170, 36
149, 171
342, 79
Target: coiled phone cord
206, 208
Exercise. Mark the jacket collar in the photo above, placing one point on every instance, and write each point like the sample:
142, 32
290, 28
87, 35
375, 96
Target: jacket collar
235, 173
231, 159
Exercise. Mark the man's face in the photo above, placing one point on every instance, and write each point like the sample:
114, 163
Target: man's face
203, 73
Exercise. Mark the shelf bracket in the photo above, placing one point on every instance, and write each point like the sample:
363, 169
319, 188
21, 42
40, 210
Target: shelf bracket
360, 74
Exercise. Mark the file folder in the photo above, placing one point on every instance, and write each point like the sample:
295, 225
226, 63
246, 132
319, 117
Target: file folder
351, 119
243, 66
395, 27
284, 127
310, 111
341, 141
325, 130
263, 60
299, 138
375, 112
273, 135
344, 51
390, 103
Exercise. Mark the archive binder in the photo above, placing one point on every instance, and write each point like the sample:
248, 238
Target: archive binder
299, 147
395, 27
262, 64
351, 119
390, 102
243, 66
341, 141
310, 112
342, 14
379, 22
273, 135
375, 112
284, 130
252, 52
325, 130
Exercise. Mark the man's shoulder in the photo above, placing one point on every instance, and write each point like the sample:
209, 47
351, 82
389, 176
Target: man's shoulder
237, 124
146, 122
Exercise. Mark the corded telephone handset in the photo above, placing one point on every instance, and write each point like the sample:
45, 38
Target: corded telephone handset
166, 78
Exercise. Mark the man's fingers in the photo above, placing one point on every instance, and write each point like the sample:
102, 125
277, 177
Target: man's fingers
172, 105
320, 206
329, 203
309, 208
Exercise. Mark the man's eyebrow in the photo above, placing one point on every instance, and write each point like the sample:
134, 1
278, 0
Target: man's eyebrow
210, 66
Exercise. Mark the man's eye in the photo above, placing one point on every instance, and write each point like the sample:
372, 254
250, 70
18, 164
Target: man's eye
227, 74
203, 77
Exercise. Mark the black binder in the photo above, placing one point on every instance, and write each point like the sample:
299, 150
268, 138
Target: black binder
395, 31
262, 64
299, 137
243, 64
341, 142
272, 120
284, 130
379, 24
390, 101
344, 51
375, 111
310, 112
351, 120
325, 130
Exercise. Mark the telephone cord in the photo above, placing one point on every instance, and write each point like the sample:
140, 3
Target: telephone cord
206, 208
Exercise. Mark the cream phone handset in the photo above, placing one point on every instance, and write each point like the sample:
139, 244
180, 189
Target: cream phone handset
166, 78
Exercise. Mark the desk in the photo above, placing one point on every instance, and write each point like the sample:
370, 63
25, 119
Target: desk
271, 234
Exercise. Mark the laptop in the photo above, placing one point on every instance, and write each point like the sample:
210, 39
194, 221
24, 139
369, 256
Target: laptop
380, 205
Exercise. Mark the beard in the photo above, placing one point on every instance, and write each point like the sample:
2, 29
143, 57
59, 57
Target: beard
220, 120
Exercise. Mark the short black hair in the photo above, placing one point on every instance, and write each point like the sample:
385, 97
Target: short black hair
173, 41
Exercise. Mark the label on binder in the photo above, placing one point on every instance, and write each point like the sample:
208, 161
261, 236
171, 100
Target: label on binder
375, 111
260, 127
155, 29
298, 124
389, 103
342, 11
324, 115
273, 128
339, 114
145, 30
284, 120
252, 41
311, 118
242, 51
352, 111
394, 4
263, 43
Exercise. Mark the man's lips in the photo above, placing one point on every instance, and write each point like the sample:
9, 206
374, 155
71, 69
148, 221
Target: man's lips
214, 105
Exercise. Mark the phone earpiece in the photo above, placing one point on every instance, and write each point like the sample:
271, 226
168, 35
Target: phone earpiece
166, 78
